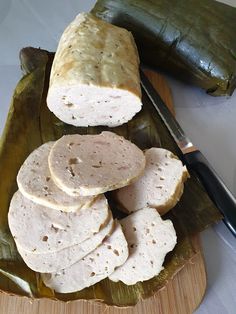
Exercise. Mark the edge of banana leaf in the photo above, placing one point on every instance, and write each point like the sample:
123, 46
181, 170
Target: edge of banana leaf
29, 124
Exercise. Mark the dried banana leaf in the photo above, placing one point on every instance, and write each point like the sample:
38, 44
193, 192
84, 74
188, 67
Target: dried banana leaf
194, 40
29, 124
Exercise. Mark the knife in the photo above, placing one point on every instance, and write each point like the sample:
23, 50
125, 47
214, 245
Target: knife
194, 159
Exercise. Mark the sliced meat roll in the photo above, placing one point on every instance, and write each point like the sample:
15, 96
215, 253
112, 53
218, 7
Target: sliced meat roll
95, 74
93, 268
149, 238
40, 229
35, 182
55, 261
93, 164
161, 185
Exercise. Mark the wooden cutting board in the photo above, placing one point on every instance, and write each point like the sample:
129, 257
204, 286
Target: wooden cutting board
181, 295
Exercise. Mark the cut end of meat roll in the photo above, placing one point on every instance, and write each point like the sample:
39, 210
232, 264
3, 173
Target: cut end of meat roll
83, 105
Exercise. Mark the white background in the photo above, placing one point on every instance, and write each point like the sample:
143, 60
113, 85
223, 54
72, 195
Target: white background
210, 122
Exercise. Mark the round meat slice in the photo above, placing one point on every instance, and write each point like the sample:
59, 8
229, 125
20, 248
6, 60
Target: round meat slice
40, 229
94, 164
95, 74
149, 238
35, 182
93, 268
161, 185
55, 261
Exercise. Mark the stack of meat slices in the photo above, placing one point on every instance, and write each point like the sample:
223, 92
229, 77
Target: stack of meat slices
61, 221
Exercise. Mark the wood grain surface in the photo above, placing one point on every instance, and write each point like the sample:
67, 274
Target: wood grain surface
181, 295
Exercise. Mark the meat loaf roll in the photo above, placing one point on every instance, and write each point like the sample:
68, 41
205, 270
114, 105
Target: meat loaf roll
95, 74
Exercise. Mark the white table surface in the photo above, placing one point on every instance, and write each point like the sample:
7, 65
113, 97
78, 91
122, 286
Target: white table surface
210, 122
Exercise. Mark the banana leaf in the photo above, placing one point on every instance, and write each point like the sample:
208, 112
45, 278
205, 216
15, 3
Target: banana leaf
194, 40
29, 124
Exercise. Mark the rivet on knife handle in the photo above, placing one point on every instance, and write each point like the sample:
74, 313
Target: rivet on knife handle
194, 159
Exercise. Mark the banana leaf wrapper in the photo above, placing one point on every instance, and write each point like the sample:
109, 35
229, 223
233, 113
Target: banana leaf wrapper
29, 124
193, 40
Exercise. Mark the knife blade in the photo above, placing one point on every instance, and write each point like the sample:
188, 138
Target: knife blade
194, 159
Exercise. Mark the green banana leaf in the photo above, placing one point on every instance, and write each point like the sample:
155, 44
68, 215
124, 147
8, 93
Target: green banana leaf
29, 124
194, 40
